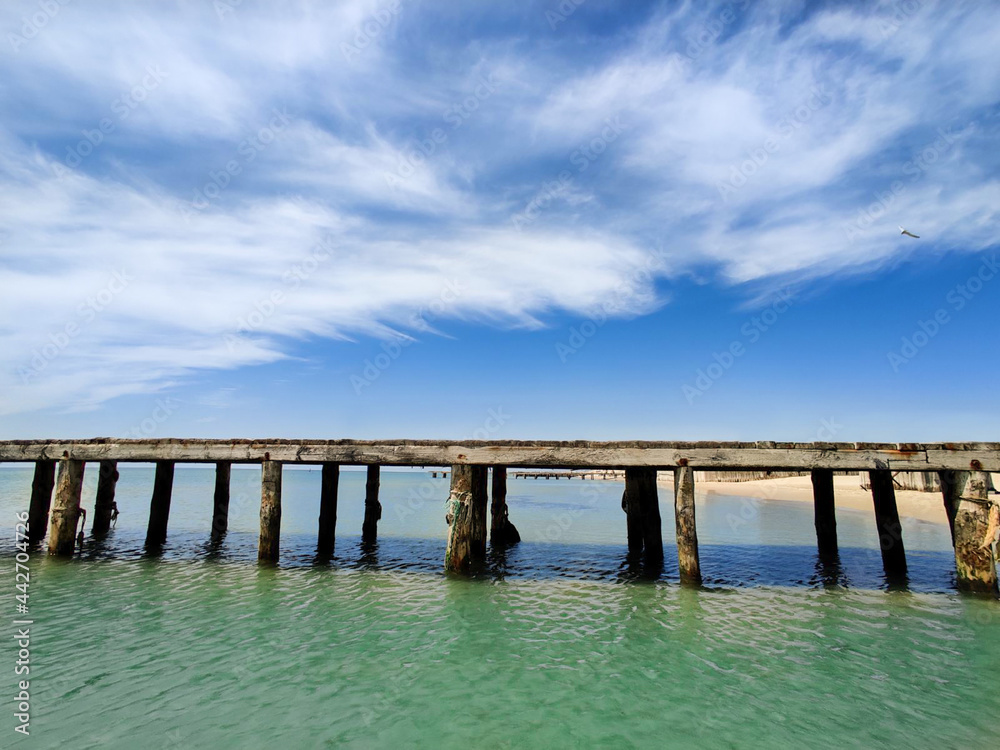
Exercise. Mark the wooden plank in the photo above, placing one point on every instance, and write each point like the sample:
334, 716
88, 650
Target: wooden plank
502, 531
270, 512
220, 500
890, 530
159, 504
565, 455
950, 490
687, 531
643, 509
976, 520
66, 509
373, 508
824, 513
329, 487
104, 503
466, 519
41, 499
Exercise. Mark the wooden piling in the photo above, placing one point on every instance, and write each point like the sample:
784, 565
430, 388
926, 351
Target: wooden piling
824, 515
687, 532
466, 518
66, 510
502, 531
642, 507
328, 508
104, 504
949, 492
41, 499
270, 511
974, 533
220, 500
373, 508
159, 504
890, 531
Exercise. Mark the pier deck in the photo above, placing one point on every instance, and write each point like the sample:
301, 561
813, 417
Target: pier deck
963, 469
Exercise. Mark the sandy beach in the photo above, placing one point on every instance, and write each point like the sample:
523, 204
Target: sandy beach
926, 506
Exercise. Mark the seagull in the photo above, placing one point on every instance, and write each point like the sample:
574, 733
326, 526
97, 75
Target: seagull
909, 234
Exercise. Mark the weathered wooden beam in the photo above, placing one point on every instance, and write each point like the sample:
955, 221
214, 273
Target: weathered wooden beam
687, 531
41, 499
329, 487
642, 507
270, 512
373, 508
104, 503
466, 519
66, 510
976, 521
890, 530
949, 491
220, 500
502, 531
159, 504
824, 513
567, 455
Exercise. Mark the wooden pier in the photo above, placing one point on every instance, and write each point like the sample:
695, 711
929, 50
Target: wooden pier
963, 470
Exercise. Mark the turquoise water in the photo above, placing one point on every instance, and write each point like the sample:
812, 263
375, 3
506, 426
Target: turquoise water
561, 643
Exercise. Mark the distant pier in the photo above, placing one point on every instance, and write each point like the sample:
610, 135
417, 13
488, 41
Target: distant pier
962, 470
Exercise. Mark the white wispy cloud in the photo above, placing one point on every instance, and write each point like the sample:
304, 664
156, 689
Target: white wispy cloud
745, 144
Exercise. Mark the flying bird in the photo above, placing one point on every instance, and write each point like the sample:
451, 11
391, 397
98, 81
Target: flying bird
909, 234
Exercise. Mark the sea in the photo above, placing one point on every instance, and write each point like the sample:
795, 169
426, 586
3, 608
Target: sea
561, 641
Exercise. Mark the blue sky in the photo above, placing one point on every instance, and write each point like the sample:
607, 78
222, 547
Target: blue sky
566, 220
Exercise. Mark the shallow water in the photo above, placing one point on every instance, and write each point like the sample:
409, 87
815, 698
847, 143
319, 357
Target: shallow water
558, 643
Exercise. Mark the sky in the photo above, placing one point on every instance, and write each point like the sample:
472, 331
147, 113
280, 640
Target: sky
538, 220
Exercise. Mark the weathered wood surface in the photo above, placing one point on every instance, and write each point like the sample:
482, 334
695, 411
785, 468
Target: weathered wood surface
949, 481
220, 500
41, 499
824, 514
890, 530
104, 503
66, 509
466, 519
373, 508
975, 526
643, 508
159, 504
270, 512
329, 487
567, 455
687, 531
502, 531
